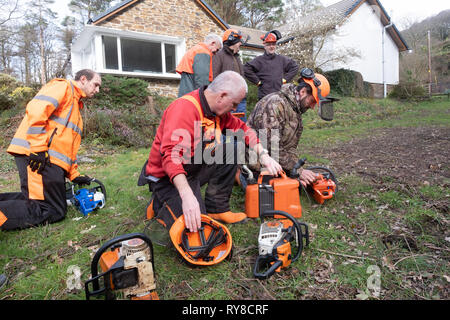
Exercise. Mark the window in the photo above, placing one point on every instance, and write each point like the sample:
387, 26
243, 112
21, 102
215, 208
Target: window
110, 52
138, 56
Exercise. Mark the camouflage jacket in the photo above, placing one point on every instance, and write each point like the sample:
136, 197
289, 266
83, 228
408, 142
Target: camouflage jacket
278, 114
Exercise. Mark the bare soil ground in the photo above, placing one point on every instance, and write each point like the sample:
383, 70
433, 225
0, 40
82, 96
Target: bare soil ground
410, 156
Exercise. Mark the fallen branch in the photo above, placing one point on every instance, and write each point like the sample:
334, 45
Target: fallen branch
412, 256
344, 255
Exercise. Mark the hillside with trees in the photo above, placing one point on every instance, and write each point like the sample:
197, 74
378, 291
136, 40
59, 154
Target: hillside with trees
414, 65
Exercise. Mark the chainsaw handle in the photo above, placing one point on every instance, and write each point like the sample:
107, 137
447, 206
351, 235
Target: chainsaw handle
297, 226
300, 163
265, 177
109, 244
102, 186
269, 272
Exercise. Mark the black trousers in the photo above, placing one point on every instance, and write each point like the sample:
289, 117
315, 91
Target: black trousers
167, 202
42, 198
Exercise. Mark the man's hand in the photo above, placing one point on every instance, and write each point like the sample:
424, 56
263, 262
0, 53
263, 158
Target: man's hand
270, 164
307, 177
190, 205
191, 212
80, 180
38, 161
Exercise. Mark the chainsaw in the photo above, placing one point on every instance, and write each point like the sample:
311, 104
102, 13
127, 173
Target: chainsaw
276, 241
325, 185
86, 200
127, 266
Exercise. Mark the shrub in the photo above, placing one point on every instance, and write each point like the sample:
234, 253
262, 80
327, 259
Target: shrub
121, 93
407, 90
12, 93
348, 83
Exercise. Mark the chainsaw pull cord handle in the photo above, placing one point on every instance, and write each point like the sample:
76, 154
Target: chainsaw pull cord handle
110, 243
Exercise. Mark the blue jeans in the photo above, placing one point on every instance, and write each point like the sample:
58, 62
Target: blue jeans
242, 107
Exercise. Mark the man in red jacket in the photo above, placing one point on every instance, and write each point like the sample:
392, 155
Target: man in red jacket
188, 152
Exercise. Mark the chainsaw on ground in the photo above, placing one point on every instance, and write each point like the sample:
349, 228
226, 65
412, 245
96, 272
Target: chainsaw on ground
127, 266
325, 185
276, 243
86, 200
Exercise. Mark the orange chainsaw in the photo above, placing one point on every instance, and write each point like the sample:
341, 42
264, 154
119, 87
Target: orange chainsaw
324, 187
280, 242
127, 266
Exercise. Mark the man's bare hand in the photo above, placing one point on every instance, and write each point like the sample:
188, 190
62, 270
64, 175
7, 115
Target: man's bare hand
307, 177
191, 212
271, 165
190, 205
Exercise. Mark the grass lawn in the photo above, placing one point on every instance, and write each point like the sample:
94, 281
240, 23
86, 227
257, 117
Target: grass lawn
372, 241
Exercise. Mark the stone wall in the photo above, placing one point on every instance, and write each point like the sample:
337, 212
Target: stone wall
378, 90
179, 18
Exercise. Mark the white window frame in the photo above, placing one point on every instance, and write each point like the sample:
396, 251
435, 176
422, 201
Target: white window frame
180, 49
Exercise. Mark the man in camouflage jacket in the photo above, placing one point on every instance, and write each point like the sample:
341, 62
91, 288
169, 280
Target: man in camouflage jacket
277, 118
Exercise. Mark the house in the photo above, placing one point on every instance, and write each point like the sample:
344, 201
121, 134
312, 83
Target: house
146, 39
363, 27
367, 28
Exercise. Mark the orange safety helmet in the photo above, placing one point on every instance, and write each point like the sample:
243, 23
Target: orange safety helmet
319, 84
231, 36
208, 246
271, 36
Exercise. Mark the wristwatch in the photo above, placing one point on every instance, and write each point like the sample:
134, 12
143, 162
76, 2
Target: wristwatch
263, 152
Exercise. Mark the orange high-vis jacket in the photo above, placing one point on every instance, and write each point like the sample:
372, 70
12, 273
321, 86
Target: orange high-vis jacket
53, 123
187, 62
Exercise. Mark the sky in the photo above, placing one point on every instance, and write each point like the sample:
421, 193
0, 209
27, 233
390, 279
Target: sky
399, 10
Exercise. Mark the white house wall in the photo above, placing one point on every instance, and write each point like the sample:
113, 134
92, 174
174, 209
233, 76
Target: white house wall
363, 31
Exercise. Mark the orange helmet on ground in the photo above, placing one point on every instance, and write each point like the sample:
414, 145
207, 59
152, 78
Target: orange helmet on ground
319, 84
208, 246
231, 36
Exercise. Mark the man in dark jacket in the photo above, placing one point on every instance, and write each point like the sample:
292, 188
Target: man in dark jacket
270, 70
228, 58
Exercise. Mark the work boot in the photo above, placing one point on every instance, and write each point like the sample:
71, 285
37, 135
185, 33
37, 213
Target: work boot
228, 217
3, 281
150, 211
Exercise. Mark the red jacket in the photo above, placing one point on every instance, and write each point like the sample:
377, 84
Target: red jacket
178, 133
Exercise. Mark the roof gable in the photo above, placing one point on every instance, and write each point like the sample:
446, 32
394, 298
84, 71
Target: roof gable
128, 3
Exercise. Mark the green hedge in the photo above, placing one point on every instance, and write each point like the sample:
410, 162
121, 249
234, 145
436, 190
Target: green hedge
348, 83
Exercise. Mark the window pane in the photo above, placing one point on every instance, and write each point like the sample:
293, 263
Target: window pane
170, 58
110, 52
141, 56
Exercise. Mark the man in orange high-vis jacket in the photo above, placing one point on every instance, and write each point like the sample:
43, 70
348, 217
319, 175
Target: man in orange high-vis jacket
45, 148
195, 67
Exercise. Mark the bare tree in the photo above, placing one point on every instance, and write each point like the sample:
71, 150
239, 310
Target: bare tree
9, 11
309, 37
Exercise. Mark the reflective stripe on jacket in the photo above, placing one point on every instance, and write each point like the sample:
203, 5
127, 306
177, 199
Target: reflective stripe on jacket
53, 122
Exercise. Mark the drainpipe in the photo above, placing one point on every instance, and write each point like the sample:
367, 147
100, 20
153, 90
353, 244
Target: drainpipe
384, 59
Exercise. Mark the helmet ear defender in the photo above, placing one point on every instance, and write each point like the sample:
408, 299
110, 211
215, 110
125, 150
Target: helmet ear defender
320, 90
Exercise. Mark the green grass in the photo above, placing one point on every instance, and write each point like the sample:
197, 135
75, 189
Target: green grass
346, 233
